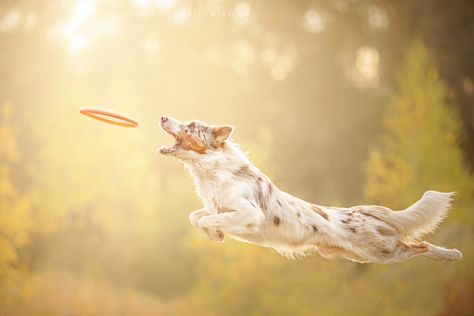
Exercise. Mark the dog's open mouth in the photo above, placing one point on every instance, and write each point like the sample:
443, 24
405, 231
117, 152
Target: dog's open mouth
167, 149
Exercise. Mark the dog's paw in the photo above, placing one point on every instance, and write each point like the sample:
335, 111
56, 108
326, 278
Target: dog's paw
455, 254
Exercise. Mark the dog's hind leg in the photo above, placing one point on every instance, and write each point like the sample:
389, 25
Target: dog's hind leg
425, 249
440, 253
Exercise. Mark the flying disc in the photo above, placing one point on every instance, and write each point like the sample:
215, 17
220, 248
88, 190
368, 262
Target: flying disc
109, 117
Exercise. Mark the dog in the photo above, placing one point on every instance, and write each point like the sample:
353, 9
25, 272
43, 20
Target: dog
243, 203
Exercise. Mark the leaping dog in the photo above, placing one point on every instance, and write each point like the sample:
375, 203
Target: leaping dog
240, 201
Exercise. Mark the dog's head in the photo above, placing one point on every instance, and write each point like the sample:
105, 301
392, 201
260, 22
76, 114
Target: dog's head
194, 139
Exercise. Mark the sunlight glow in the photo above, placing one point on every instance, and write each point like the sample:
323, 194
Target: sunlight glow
313, 21
82, 11
367, 62
365, 71
242, 13
181, 16
345, 102
10, 20
108, 25
279, 61
377, 17
141, 3
165, 4
76, 44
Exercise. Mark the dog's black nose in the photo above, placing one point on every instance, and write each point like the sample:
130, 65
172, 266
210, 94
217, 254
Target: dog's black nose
164, 119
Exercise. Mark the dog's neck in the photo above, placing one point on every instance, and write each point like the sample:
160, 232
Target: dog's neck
218, 165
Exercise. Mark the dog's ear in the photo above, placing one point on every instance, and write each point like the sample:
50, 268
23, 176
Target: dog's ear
221, 133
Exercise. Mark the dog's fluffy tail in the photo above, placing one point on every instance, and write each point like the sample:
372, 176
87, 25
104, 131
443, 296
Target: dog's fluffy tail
425, 215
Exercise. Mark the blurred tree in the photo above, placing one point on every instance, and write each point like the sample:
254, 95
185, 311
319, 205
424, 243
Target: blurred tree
419, 149
447, 30
15, 219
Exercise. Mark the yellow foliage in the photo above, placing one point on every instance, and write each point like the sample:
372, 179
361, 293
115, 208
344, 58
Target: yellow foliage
15, 217
419, 149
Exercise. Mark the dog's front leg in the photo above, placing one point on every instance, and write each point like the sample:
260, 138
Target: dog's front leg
242, 221
212, 234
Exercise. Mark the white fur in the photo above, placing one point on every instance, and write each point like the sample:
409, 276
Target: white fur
241, 202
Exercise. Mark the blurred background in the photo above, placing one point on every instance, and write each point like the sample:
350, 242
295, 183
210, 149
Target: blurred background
340, 102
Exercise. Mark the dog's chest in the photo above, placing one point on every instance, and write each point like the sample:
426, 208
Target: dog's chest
213, 198
217, 196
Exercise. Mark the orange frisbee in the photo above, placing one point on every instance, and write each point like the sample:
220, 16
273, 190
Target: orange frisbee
109, 117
